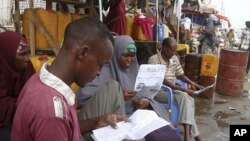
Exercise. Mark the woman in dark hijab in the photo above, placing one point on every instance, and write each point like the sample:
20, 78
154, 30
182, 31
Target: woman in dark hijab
15, 70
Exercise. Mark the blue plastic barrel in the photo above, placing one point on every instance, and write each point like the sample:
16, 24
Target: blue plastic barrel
160, 28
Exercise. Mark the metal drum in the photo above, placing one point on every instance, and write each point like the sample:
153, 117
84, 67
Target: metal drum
232, 72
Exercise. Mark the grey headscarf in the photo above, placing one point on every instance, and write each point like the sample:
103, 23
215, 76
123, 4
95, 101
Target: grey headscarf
126, 78
113, 71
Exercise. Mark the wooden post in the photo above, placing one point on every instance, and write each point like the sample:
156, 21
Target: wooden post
32, 30
77, 10
157, 18
178, 31
17, 16
92, 9
100, 10
37, 22
49, 4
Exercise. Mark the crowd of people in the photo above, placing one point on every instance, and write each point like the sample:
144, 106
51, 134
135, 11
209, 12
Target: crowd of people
41, 106
209, 39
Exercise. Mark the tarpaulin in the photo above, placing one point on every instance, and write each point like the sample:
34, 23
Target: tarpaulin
223, 18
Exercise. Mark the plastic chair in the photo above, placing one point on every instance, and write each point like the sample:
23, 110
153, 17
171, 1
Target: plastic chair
171, 105
181, 84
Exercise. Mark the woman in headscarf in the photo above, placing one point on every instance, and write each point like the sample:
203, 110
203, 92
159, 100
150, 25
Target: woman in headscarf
126, 67
15, 70
122, 68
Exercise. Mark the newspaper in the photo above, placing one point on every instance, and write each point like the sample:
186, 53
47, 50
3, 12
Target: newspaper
204, 89
142, 123
149, 81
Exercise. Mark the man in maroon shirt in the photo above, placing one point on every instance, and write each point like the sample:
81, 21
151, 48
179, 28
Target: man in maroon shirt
46, 105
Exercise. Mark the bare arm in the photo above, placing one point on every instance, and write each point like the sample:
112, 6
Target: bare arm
173, 86
94, 123
88, 125
185, 79
188, 81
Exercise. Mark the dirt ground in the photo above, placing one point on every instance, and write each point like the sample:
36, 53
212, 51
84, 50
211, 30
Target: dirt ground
214, 116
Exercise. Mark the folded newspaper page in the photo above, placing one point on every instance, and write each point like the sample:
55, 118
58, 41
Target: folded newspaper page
142, 123
204, 89
149, 81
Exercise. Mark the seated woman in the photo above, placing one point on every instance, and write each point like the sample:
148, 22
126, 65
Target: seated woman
106, 96
15, 70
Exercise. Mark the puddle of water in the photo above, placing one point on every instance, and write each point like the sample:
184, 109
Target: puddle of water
224, 115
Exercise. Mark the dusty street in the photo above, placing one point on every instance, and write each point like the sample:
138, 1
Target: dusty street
214, 116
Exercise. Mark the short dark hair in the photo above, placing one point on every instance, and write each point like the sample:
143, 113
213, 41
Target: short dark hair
87, 30
167, 42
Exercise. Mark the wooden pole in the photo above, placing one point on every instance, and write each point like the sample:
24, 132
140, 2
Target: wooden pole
17, 16
32, 30
100, 10
77, 10
49, 4
157, 18
178, 30
37, 22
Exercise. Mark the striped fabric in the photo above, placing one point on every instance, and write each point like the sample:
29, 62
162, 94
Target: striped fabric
173, 66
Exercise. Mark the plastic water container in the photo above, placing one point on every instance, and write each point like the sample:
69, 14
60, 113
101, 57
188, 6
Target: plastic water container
160, 28
63, 19
142, 28
38, 61
183, 46
166, 31
129, 25
209, 65
48, 19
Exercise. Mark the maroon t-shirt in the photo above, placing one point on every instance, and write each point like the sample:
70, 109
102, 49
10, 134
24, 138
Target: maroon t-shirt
43, 114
